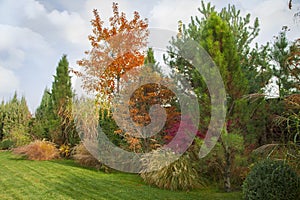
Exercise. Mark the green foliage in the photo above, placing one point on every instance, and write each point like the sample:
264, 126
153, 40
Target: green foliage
225, 164
253, 61
44, 117
288, 152
179, 175
271, 180
6, 144
19, 136
38, 150
14, 121
61, 93
226, 36
109, 126
62, 96
150, 61
286, 72
217, 39
53, 118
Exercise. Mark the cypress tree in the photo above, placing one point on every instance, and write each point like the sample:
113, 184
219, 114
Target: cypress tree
61, 96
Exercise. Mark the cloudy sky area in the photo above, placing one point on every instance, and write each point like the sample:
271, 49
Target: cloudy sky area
34, 34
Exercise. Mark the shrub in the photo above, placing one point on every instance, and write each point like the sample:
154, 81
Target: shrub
65, 150
20, 136
270, 180
83, 157
179, 175
6, 144
38, 150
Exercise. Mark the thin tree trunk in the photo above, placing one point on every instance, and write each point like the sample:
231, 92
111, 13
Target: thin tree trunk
118, 84
227, 171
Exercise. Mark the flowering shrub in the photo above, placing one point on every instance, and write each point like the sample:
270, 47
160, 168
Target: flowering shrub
180, 139
64, 150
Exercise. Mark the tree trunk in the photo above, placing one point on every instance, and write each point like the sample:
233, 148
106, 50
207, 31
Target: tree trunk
118, 84
227, 184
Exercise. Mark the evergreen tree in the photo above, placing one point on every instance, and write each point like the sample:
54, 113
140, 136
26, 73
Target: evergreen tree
2, 116
286, 64
216, 36
151, 62
15, 117
254, 62
61, 96
44, 117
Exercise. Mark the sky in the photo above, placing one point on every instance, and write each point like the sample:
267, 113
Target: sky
34, 34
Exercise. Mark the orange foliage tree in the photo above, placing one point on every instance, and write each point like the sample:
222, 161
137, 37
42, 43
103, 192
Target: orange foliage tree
115, 50
143, 129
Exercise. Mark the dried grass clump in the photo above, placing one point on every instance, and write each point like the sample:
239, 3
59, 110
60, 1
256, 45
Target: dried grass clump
82, 156
38, 150
179, 175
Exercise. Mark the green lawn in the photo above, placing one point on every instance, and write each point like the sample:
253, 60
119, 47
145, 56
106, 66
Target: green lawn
63, 179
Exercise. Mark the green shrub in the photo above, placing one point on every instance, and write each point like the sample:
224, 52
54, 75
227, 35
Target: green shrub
271, 180
6, 144
179, 175
38, 150
19, 136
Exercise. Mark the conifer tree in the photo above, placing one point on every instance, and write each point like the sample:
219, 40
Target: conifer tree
44, 117
15, 117
61, 96
285, 56
216, 37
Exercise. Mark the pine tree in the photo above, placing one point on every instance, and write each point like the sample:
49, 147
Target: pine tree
254, 61
286, 64
215, 35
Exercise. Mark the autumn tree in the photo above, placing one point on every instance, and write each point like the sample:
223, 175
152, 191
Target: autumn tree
114, 51
151, 90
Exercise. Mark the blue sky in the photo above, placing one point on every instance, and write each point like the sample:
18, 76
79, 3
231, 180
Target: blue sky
34, 34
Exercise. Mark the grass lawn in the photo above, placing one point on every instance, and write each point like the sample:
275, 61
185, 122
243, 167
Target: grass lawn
63, 179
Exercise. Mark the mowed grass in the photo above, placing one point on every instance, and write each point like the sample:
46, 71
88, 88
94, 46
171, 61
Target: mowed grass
63, 179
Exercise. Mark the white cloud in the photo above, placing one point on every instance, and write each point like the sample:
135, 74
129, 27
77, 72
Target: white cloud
34, 9
18, 45
272, 15
167, 13
8, 81
70, 26
104, 8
